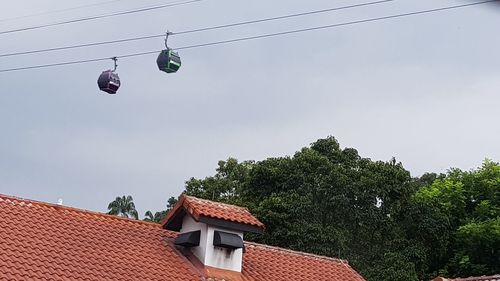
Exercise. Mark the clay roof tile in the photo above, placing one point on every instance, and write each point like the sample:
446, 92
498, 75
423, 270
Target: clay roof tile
199, 208
42, 241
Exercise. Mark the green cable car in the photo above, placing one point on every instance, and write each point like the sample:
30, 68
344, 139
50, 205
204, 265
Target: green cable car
168, 61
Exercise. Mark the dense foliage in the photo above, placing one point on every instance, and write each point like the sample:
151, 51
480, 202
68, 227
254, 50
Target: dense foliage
388, 225
467, 205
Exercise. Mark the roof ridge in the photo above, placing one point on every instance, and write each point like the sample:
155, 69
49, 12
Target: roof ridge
474, 278
198, 208
298, 252
216, 202
77, 210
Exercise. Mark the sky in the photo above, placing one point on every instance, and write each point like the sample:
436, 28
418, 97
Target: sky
424, 89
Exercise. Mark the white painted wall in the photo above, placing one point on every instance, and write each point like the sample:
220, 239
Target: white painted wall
209, 255
221, 257
188, 225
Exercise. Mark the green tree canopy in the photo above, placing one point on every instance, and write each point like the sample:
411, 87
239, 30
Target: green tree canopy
468, 203
331, 201
324, 200
123, 206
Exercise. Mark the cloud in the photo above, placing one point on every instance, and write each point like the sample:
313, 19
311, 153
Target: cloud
423, 89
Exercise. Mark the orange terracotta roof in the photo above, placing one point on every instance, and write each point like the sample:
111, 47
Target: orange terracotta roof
205, 208
481, 278
266, 263
41, 241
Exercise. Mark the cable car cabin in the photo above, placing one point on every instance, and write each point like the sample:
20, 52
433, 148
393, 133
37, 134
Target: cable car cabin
109, 82
169, 61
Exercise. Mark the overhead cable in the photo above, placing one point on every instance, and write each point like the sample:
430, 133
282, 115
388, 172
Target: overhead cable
194, 30
335, 25
281, 17
134, 11
61, 10
259, 36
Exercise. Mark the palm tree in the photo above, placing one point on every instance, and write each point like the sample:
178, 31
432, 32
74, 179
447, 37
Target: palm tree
149, 216
157, 217
123, 206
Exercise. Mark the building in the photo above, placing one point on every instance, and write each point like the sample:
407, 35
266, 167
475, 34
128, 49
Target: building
198, 240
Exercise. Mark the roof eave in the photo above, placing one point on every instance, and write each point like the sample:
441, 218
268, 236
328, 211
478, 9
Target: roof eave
232, 225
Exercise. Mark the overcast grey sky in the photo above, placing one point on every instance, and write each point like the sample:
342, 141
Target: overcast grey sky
424, 89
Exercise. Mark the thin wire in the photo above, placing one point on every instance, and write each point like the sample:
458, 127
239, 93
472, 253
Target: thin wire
53, 64
81, 45
282, 17
140, 10
257, 37
60, 11
333, 25
77, 62
194, 30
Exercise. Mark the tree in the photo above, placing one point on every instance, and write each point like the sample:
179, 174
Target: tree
324, 200
226, 185
123, 206
467, 241
158, 216
331, 201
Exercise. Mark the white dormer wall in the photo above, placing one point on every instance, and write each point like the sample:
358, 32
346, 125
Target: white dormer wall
207, 253
188, 225
221, 257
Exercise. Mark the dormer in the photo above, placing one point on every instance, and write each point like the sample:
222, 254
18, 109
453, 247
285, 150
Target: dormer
212, 231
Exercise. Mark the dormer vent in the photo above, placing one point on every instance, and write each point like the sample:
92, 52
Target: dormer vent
227, 240
211, 232
188, 239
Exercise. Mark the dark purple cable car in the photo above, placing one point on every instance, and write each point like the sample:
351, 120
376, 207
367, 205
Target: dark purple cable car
109, 81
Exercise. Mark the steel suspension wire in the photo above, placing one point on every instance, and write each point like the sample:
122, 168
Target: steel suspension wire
81, 46
134, 11
260, 36
77, 61
61, 10
195, 30
53, 64
282, 17
335, 25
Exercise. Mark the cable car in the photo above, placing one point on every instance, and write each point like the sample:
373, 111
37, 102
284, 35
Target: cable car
168, 61
109, 81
